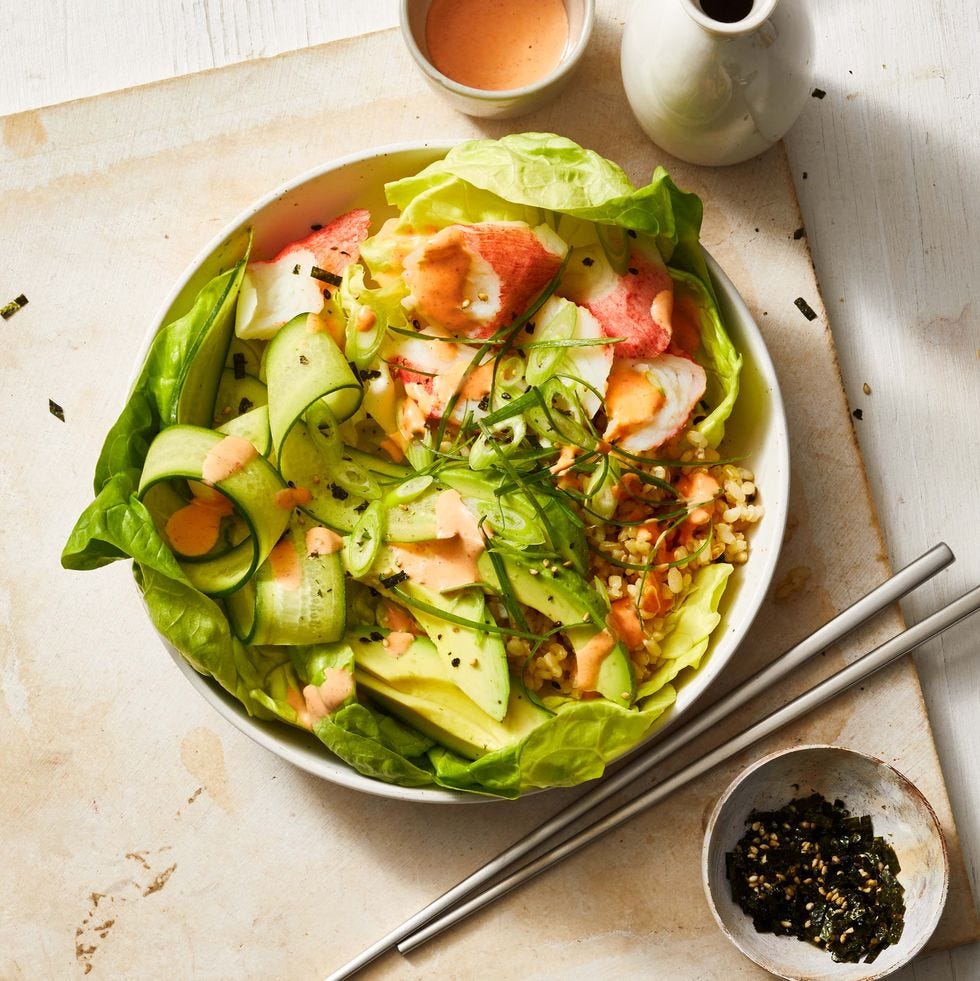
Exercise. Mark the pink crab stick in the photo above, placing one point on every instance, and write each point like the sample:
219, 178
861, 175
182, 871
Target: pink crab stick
471, 280
275, 290
636, 305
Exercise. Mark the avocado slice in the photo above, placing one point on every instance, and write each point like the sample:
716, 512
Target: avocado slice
563, 596
418, 688
475, 657
477, 660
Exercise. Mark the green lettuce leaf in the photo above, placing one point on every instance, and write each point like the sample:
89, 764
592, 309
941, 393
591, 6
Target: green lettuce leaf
376, 745
687, 628
435, 198
573, 746
553, 173
717, 355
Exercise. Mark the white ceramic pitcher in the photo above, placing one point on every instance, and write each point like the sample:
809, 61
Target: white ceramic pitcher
717, 81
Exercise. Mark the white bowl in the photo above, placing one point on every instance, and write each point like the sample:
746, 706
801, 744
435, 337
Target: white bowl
899, 814
758, 429
503, 103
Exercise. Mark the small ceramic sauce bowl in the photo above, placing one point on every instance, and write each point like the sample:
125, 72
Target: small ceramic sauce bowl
498, 103
899, 813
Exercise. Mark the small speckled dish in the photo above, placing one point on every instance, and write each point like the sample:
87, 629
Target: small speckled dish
900, 814
501, 103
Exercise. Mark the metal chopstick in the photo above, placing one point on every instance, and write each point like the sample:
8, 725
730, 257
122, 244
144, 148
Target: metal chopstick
859, 670
901, 583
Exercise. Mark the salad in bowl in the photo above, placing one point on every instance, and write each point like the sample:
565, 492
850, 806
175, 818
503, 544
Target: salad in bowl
444, 481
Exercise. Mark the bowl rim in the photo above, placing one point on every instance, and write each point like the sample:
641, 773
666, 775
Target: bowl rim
324, 765
566, 64
712, 827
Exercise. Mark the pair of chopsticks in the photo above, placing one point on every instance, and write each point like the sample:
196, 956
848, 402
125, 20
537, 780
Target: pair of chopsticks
464, 898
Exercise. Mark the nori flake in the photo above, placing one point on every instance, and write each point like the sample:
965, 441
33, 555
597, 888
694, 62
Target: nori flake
812, 871
805, 308
9, 309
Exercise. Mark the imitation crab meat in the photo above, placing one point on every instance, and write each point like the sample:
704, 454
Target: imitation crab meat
635, 306
471, 280
649, 401
276, 290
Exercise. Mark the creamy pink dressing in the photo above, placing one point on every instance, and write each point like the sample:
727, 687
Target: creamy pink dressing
227, 458
322, 541
438, 275
285, 565
298, 704
398, 642
565, 460
194, 528
291, 497
662, 307
449, 562
397, 618
624, 621
336, 688
631, 400
700, 489
589, 660
496, 44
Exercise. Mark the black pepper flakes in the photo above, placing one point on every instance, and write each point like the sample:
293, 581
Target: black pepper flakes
588, 261
56, 410
244, 405
818, 93
315, 228
858, 414
455, 662
376, 637
798, 234
338, 493
238, 363
389, 582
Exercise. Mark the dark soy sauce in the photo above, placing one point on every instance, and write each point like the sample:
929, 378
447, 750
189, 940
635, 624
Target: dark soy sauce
727, 11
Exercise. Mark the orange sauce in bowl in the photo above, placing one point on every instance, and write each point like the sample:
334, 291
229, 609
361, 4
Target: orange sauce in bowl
496, 44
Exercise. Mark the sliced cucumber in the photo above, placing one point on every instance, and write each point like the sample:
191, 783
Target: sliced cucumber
303, 367
253, 426
477, 660
250, 356
306, 609
179, 453
237, 396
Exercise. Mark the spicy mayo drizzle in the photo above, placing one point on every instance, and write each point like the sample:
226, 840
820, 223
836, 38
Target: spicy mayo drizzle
496, 44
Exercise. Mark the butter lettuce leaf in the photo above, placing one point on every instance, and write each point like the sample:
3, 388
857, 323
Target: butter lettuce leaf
551, 173
687, 628
717, 355
377, 746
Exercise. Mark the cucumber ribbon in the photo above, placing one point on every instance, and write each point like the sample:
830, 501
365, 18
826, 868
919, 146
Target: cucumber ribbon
178, 454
